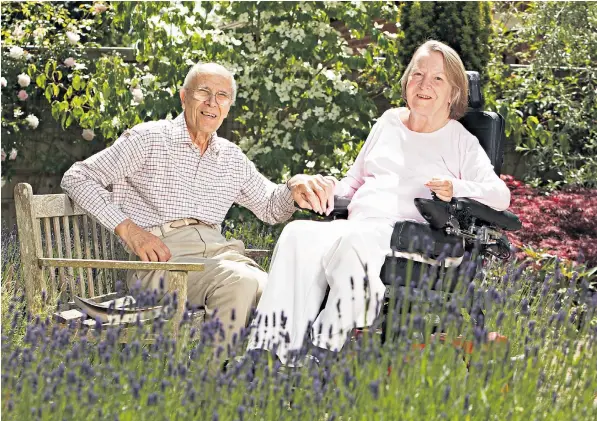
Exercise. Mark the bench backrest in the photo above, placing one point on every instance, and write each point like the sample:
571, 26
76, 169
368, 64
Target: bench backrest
53, 226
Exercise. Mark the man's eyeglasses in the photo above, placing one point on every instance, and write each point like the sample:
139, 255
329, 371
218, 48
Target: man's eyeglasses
202, 94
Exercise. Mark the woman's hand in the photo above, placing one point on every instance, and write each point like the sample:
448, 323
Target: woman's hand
442, 187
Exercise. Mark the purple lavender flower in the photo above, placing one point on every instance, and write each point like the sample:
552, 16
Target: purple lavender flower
374, 389
136, 388
152, 399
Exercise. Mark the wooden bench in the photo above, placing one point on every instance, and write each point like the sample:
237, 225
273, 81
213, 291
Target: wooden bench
66, 253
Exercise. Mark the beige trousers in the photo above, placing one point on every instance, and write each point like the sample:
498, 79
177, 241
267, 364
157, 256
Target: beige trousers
231, 283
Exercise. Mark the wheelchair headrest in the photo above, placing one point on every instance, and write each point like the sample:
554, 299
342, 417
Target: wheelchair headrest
475, 98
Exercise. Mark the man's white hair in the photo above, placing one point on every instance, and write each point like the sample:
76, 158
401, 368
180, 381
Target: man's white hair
210, 69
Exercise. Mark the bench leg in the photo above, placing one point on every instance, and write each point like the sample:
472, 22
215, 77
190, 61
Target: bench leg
177, 281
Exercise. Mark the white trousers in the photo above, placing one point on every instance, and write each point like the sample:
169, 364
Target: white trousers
347, 256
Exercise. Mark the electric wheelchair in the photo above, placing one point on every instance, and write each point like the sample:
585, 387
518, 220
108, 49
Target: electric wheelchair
461, 233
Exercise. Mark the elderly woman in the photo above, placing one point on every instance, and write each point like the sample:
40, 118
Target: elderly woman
410, 152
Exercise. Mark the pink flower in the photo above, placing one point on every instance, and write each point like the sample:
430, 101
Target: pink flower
69, 62
3, 155
13, 154
3, 82
88, 135
99, 8
22, 95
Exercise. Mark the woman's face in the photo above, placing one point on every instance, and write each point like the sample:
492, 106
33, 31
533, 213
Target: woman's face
428, 91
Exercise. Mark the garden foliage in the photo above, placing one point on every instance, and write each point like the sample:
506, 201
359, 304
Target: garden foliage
466, 26
305, 98
550, 106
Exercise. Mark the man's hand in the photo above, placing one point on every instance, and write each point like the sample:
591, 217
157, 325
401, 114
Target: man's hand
144, 244
314, 192
442, 187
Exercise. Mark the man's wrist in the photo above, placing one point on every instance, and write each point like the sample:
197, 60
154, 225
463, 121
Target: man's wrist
122, 229
288, 184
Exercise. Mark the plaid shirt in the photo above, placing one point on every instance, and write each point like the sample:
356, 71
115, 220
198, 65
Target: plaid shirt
158, 175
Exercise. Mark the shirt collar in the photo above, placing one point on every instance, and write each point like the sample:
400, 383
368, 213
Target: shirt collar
180, 134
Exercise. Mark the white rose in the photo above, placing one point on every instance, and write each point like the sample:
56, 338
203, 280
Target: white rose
13, 154
72, 37
18, 32
39, 33
137, 95
69, 62
147, 79
23, 80
16, 52
88, 135
3, 82
32, 120
3, 155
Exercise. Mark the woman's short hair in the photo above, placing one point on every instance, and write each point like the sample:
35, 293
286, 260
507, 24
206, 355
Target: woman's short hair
455, 73
210, 69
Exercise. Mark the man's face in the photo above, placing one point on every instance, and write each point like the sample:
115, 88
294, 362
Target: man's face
428, 91
206, 116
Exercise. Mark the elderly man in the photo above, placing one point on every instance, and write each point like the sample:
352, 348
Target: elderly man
172, 183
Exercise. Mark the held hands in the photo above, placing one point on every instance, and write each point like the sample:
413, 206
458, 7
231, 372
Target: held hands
313, 192
144, 244
443, 188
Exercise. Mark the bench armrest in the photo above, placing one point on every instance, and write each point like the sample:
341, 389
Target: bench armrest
120, 264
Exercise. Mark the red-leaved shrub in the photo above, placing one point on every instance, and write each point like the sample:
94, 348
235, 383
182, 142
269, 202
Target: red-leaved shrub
563, 222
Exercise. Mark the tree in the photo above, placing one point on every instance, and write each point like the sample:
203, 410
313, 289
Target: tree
465, 26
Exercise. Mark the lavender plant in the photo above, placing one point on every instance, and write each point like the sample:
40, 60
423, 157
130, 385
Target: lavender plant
545, 370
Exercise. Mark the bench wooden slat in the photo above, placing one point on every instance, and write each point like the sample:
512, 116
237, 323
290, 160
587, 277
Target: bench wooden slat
121, 264
99, 273
68, 249
90, 283
78, 252
113, 255
105, 256
58, 242
256, 253
49, 253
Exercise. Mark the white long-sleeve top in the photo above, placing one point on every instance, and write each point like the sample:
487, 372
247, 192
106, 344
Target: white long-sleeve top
395, 163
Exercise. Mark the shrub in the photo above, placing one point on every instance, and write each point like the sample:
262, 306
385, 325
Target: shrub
561, 222
422, 21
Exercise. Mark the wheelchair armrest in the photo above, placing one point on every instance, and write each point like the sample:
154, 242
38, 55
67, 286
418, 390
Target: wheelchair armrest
438, 213
502, 219
340, 208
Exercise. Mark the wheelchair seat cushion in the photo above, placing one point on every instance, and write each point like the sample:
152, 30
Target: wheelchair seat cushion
417, 238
